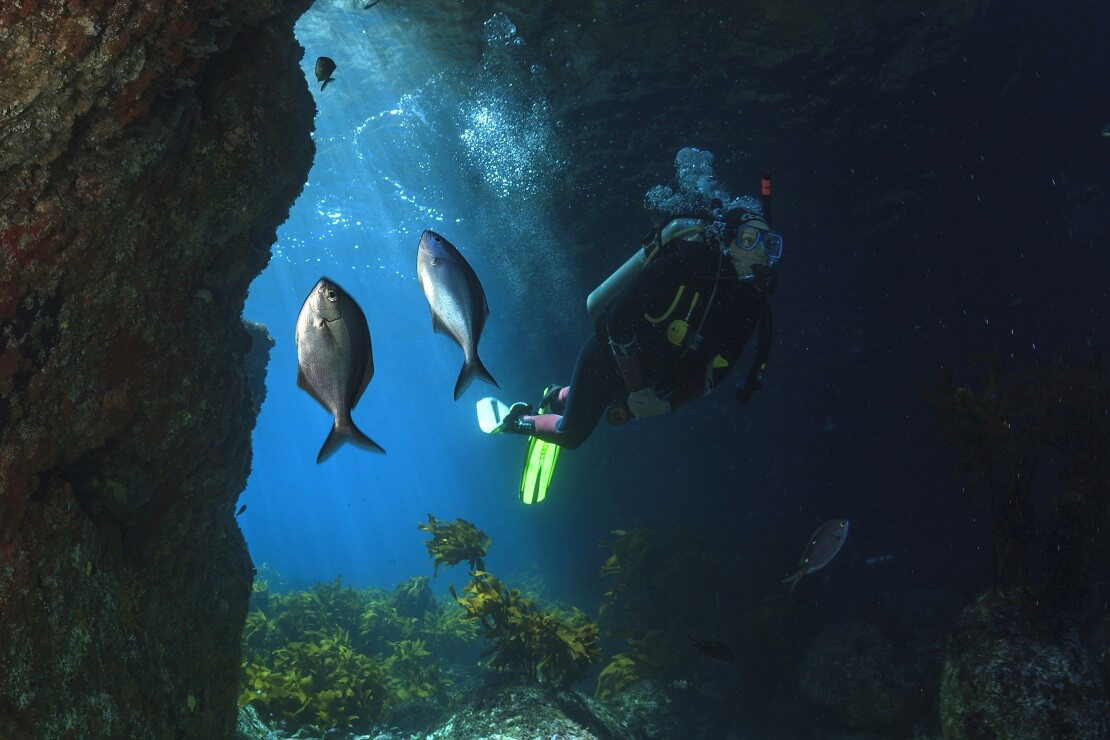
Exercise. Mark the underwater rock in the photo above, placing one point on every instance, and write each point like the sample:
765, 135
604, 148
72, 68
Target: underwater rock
501, 709
647, 712
1015, 670
257, 360
250, 727
148, 151
1098, 638
866, 680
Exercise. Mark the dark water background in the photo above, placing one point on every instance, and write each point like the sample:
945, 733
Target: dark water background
999, 246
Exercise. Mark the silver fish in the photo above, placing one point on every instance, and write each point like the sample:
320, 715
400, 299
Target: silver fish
335, 361
823, 547
457, 300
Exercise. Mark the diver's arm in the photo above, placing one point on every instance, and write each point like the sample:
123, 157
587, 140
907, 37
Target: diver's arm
696, 385
702, 383
754, 381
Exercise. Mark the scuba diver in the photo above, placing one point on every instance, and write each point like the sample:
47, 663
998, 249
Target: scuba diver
671, 323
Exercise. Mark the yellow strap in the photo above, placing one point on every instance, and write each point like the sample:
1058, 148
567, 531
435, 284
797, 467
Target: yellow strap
677, 235
670, 310
683, 232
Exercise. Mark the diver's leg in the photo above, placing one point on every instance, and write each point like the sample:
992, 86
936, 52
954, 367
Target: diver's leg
555, 399
592, 385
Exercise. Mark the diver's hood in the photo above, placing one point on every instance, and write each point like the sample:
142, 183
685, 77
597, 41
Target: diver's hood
738, 217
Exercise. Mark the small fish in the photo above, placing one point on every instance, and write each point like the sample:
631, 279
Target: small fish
367, 7
823, 547
324, 67
457, 300
878, 559
335, 361
241, 510
717, 651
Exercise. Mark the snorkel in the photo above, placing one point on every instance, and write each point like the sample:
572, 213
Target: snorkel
765, 196
748, 228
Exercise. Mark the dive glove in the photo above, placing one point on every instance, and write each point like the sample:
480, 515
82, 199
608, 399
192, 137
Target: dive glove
646, 402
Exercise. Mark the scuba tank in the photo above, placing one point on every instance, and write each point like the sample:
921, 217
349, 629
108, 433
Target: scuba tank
598, 302
688, 228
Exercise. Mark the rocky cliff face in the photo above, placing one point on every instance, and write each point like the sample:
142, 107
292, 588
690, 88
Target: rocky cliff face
148, 151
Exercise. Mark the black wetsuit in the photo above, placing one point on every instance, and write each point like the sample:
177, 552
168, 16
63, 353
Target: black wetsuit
692, 283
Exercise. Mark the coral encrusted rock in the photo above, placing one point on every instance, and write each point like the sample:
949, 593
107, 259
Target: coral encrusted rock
1014, 671
148, 151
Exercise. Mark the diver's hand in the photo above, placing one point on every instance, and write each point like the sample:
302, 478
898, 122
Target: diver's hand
646, 402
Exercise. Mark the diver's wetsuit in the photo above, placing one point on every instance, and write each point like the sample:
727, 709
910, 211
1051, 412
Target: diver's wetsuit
677, 286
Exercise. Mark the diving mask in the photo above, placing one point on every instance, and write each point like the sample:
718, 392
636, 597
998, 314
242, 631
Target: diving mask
748, 237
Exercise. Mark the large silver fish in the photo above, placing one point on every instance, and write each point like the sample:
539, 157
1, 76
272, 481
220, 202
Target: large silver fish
823, 547
457, 300
335, 361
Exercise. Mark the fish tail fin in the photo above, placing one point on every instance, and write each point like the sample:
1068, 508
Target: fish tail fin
793, 580
345, 431
472, 368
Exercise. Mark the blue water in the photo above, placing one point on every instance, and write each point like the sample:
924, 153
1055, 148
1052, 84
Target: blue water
437, 149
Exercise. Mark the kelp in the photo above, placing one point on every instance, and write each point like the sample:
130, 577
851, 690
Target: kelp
339, 657
454, 543
412, 672
1008, 427
660, 587
546, 646
324, 681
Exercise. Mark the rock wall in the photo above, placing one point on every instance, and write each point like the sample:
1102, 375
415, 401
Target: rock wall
148, 151
1015, 668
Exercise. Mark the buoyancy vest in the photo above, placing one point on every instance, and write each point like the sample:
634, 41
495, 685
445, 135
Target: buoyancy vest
705, 230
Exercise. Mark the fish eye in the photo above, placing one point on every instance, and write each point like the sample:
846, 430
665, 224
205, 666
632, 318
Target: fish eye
332, 295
